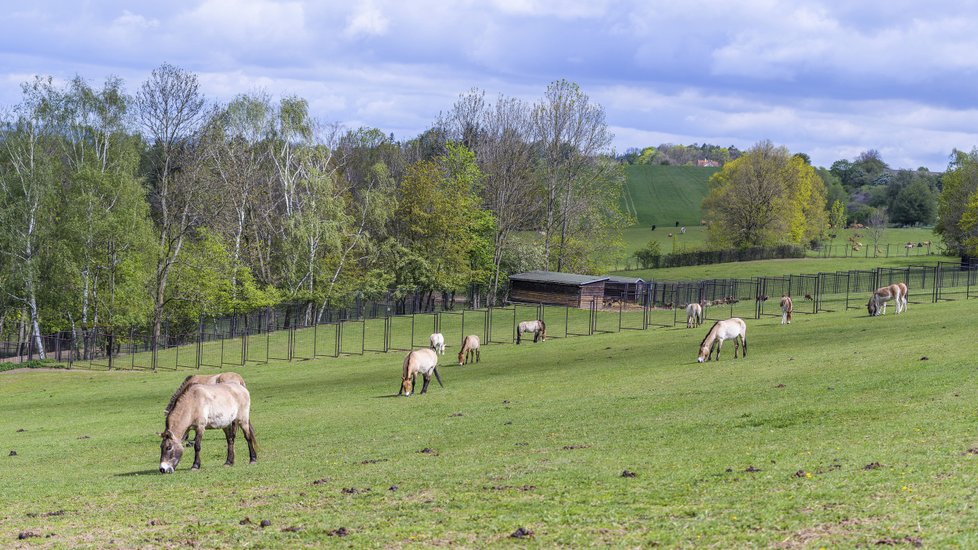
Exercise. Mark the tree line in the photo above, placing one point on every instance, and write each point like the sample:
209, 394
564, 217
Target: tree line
160, 205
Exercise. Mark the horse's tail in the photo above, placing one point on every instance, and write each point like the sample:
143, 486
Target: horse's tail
543, 329
743, 336
437, 377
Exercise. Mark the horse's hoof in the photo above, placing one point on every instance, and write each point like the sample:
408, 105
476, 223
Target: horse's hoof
253, 461
195, 467
229, 463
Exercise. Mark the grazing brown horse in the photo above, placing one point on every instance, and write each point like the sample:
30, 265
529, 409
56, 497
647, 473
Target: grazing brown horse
224, 377
730, 329
424, 361
203, 406
470, 350
537, 327
877, 302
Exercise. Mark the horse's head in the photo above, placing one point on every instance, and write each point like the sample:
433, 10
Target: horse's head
461, 356
704, 353
406, 387
171, 451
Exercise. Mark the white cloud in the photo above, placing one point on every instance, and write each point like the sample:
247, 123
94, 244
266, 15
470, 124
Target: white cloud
366, 20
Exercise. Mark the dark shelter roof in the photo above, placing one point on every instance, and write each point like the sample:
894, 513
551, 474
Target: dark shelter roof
619, 279
558, 278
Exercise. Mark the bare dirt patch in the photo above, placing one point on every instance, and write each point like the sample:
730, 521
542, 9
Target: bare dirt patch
847, 529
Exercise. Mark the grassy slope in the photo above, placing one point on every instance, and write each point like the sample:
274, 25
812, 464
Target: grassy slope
663, 195
634, 400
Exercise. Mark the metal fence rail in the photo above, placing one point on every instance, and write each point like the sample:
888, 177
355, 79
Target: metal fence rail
291, 332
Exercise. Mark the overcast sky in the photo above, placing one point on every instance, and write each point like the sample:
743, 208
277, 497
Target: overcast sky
831, 79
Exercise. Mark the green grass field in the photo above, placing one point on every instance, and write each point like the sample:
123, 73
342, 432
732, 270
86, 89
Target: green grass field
839, 430
663, 195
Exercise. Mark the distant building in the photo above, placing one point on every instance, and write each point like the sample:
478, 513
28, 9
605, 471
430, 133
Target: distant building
552, 287
707, 162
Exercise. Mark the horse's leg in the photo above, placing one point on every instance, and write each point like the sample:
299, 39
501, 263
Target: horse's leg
249, 432
743, 340
229, 433
427, 378
478, 355
719, 345
200, 436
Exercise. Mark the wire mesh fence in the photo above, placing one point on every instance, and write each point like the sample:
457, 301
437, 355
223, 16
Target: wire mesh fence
294, 332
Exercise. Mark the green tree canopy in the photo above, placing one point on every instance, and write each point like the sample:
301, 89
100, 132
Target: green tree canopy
765, 197
958, 204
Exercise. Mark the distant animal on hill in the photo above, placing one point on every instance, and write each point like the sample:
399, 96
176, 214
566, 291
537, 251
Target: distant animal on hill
419, 361
897, 292
437, 343
694, 315
786, 308
203, 406
537, 327
470, 350
728, 329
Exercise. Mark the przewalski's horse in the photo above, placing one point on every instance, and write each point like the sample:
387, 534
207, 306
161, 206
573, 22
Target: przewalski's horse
222, 378
437, 343
537, 327
786, 308
724, 330
203, 406
877, 302
424, 361
694, 315
470, 350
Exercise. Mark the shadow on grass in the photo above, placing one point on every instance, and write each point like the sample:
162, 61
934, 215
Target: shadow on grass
386, 396
140, 473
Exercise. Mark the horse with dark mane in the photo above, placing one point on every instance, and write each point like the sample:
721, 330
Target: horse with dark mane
224, 377
537, 327
471, 351
730, 329
877, 302
423, 361
202, 406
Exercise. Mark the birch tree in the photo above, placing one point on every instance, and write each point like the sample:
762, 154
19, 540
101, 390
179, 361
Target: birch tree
171, 110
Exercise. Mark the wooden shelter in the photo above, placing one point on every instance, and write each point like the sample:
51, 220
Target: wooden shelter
628, 289
552, 287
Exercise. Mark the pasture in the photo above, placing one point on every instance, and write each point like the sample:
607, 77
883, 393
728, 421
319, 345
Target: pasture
838, 430
664, 195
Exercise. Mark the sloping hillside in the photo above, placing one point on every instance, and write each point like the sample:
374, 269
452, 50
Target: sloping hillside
663, 195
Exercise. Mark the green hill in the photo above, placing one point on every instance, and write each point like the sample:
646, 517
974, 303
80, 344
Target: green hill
663, 195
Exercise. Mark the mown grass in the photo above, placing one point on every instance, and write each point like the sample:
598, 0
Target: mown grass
778, 449
664, 195
773, 268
